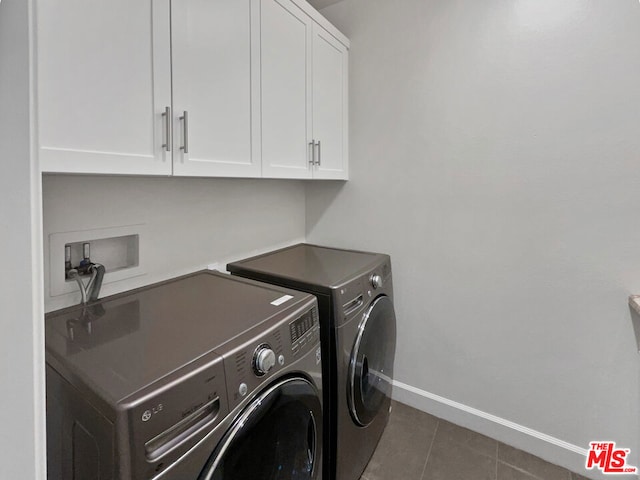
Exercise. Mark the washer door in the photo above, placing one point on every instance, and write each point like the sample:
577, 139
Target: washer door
371, 366
277, 437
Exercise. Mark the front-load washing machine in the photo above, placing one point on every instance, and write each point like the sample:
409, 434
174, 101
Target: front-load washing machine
206, 377
358, 338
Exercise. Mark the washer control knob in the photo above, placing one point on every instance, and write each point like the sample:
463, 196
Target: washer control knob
376, 280
264, 360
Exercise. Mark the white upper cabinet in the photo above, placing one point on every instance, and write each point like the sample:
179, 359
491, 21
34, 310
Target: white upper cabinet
304, 95
212, 49
286, 127
329, 106
237, 88
103, 81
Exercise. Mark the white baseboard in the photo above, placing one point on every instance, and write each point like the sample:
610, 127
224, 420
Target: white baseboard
540, 444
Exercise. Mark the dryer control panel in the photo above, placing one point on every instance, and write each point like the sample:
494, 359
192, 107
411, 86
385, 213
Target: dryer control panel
352, 298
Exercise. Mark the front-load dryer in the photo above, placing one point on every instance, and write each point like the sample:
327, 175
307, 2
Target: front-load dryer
358, 337
206, 377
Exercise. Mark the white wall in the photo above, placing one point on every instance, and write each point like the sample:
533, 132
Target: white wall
22, 441
495, 155
189, 223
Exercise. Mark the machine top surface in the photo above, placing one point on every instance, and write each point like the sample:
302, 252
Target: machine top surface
311, 264
126, 342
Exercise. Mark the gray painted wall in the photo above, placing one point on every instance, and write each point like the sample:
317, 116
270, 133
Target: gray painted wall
494, 155
22, 441
318, 4
189, 222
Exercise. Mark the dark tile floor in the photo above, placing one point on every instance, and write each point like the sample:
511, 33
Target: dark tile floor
418, 446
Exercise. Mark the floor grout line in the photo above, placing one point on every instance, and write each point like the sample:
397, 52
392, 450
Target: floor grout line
522, 470
426, 460
507, 466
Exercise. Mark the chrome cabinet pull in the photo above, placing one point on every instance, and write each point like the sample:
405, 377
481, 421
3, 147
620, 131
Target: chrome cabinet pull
185, 131
312, 160
319, 153
167, 128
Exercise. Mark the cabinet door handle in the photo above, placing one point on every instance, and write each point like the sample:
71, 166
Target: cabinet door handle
319, 153
185, 131
167, 128
312, 160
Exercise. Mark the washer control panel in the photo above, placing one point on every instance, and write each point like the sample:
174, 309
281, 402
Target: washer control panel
264, 359
248, 365
376, 280
304, 330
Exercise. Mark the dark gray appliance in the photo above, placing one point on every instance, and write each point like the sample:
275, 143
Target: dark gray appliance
206, 377
358, 337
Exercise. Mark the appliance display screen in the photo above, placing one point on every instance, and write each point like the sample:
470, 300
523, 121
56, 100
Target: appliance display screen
300, 326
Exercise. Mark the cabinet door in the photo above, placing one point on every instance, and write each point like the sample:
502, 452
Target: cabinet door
104, 80
212, 52
285, 75
330, 105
